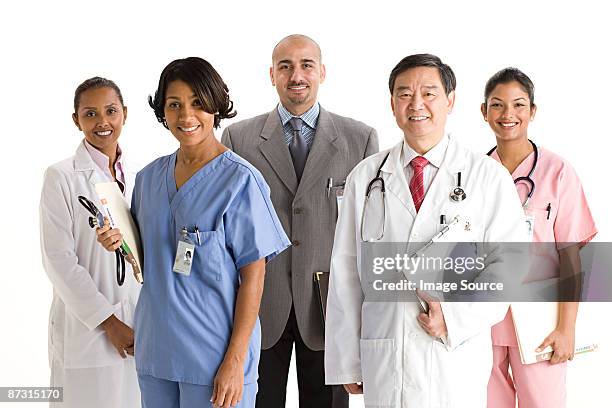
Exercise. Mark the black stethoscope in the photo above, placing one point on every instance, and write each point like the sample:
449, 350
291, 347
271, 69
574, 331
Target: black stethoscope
457, 195
98, 221
527, 178
371, 186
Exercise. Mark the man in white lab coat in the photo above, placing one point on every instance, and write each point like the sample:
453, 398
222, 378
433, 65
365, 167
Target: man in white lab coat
393, 352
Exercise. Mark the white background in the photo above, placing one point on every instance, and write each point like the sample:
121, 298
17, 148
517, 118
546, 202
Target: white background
48, 48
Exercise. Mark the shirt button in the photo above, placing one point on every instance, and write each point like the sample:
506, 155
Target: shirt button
295, 242
297, 210
414, 235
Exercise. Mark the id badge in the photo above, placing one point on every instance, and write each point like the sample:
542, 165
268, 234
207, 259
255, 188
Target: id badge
185, 251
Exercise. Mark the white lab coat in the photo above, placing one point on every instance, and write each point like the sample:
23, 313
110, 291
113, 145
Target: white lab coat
381, 343
83, 273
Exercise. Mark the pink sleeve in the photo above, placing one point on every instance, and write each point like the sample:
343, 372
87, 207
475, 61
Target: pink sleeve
574, 222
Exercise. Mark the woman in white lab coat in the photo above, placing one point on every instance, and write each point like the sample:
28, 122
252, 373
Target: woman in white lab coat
90, 335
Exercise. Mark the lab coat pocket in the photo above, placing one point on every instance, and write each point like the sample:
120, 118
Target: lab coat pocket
379, 372
85, 348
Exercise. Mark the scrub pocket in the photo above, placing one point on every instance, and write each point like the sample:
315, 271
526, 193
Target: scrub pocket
379, 373
207, 260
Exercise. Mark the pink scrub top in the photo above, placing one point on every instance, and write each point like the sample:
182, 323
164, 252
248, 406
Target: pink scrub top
570, 221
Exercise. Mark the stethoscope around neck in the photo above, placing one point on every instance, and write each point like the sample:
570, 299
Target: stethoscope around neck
526, 178
457, 195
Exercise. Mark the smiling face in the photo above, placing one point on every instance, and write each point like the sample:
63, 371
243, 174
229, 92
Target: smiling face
296, 73
185, 116
421, 106
508, 111
100, 116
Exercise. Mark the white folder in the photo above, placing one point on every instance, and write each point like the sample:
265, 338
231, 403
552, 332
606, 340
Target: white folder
534, 321
116, 208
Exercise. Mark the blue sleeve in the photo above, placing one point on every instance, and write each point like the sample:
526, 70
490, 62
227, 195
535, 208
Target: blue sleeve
135, 198
252, 228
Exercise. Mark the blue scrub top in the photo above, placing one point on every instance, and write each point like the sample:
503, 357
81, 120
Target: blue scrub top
183, 324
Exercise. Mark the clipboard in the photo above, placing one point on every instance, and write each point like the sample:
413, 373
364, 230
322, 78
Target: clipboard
116, 208
321, 285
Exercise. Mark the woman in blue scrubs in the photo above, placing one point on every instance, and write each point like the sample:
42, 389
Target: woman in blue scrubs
207, 226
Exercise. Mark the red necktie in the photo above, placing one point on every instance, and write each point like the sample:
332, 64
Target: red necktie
417, 187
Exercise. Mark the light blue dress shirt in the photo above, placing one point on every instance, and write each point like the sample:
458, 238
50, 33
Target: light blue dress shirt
309, 125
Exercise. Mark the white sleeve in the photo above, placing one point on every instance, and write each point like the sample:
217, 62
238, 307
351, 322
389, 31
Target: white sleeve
504, 223
345, 298
71, 281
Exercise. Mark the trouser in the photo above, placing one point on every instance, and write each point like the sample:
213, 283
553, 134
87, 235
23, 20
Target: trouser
98, 387
160, 393
274, 370
539, 385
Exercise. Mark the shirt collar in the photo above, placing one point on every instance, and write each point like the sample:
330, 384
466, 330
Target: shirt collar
310, 117
101, 160
434, 156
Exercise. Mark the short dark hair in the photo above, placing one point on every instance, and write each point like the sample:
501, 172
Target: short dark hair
447, 76
206, 83
507, 75
95, 83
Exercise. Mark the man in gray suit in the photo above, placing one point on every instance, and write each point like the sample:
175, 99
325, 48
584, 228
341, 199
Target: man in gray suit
305, 153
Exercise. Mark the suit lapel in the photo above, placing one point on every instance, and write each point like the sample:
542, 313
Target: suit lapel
322, 151
276, 152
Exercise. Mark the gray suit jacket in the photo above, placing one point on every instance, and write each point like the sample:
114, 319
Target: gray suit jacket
307, 214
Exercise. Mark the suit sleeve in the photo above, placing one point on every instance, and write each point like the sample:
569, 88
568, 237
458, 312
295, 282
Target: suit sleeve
226, 139
344, 301
507, 262
71, 281
372, 143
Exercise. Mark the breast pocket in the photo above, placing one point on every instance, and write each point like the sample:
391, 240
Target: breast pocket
206, 258
544, 219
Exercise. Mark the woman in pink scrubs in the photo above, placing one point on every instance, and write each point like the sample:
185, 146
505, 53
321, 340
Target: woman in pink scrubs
561, 215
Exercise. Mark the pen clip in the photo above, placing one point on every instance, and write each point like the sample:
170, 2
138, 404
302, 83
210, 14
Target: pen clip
330, 184
197, 232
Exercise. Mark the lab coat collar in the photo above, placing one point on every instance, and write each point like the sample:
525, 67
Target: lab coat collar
82, 159
452, 162
83, 162
434, 156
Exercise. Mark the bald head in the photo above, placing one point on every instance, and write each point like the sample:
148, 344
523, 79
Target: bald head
296, 40
296, 72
